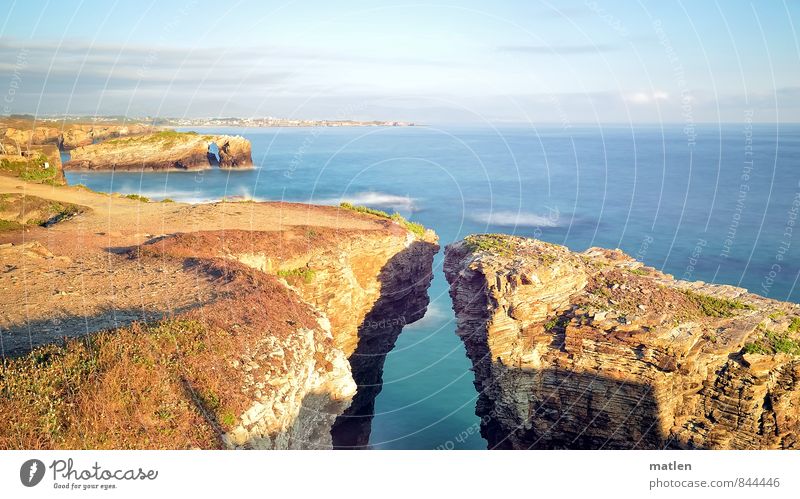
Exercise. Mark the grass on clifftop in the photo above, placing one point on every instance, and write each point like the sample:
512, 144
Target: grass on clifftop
152, 386
414, 227
498, 244
304, 273
32, 210
137, 197
717, 307
167, 138
32, 169
772, 343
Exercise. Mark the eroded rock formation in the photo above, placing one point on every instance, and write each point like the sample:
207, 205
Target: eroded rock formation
66, 136
594, 350
236, 336
164, 150
367, 288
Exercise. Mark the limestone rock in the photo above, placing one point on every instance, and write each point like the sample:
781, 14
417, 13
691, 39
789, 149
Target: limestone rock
593, 350
165, 150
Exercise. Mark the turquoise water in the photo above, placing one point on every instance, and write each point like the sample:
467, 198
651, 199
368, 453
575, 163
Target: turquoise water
691, 204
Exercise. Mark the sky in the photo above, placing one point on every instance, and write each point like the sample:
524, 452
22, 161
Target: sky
584, 61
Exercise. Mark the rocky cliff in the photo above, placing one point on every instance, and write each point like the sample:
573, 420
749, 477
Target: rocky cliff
165, 150
594, 350
367, 288
65, 136
40, 163
159, 335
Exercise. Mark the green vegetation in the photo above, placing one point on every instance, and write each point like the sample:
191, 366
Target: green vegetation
638, 271
167, 138
498, 244
772, 343
167, 200
89, 189
364, 209
717, 307
31, 169
6, 225
794, 326
776, 315
137, 197
32, 210
556, 322
413, 227
132, 387
304, 273
60, 212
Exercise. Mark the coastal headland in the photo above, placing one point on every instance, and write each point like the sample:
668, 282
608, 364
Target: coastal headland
594, 350
135, 324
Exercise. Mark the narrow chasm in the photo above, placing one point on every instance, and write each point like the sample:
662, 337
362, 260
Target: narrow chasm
403, 300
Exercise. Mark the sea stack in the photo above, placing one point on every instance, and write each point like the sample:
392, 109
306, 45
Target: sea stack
594, 350
163, 151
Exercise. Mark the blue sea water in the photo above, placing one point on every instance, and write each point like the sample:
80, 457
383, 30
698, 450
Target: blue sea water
717, 204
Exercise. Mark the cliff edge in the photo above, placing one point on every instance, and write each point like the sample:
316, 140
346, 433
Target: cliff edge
594, 350
167, 325
164, 150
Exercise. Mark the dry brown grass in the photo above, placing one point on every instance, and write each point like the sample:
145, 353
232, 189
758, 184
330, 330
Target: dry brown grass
169, 385
288, 243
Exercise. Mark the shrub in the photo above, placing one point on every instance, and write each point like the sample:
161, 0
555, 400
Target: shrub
498, 244
772, 343
556, 322
717, 307
413, 227
9, 225
137, 197
304, 273
30, 169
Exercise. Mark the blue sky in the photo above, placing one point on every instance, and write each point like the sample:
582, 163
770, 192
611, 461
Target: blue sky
502, 61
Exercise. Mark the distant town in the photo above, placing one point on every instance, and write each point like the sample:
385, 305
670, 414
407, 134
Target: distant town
268, 121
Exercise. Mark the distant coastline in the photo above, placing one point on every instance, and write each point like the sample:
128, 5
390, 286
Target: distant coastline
264, 122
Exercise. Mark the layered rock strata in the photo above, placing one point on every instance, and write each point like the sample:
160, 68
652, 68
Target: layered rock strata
165, 150
594, 350
25, 133
233, 336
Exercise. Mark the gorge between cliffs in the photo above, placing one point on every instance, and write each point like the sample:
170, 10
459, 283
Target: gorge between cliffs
137, 322
267, 338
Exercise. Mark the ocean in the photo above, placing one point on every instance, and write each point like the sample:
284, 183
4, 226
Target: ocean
716, 203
